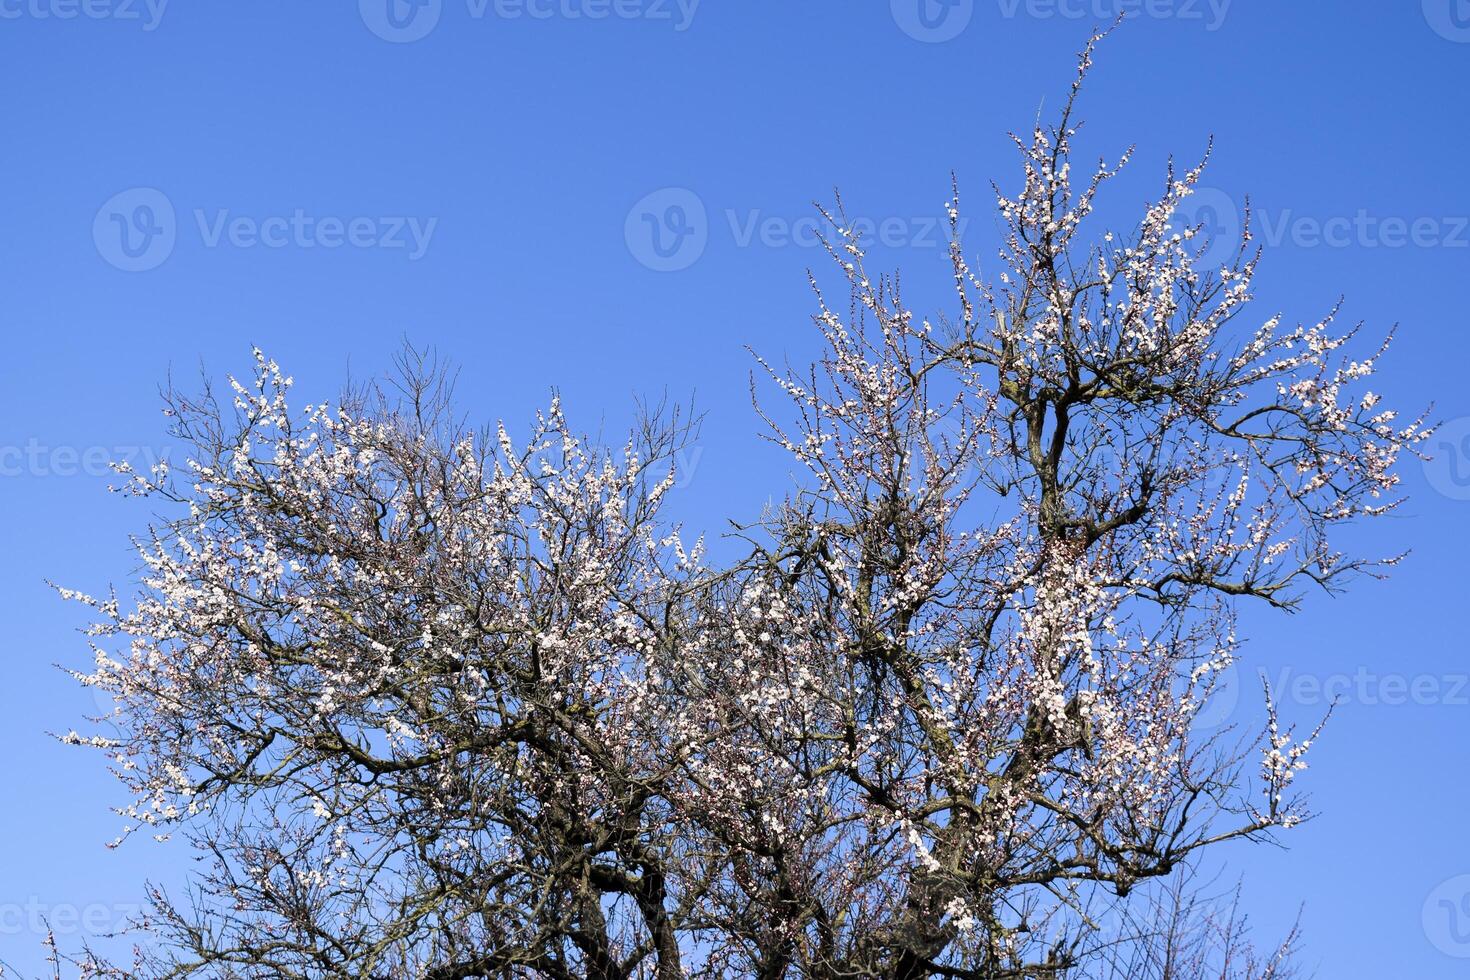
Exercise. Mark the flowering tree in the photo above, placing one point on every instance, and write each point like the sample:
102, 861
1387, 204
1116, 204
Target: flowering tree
446, 703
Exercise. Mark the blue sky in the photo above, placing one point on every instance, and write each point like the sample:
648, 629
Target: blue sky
610, 196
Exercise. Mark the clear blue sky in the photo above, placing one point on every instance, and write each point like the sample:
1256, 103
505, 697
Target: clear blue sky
606, 196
